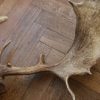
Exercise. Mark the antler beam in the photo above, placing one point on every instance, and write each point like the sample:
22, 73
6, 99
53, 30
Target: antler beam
6, 70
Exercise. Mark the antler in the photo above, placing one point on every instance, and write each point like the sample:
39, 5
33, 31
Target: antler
83, 54
2, 90
3, 19
85, 50
6, 70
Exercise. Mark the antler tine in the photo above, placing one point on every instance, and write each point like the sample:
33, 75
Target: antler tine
4, 46
3, 19
69, 89
42, 59
75, 4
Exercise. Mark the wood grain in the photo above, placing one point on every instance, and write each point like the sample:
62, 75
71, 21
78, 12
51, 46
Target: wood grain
41, 26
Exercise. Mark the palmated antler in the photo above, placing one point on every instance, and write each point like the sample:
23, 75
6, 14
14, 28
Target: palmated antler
84, 52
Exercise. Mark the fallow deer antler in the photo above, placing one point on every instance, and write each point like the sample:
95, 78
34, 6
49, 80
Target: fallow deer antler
3, 19
84, 52
8, 69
